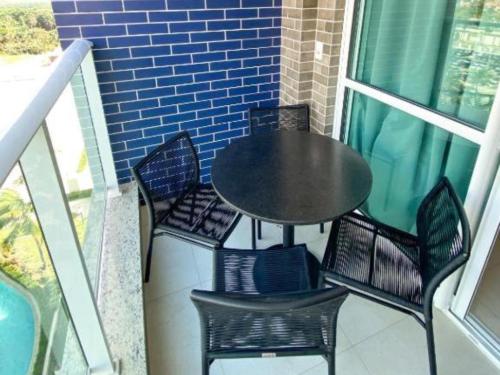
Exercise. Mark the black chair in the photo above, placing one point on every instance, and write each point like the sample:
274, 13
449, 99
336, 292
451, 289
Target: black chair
262, 120
398, 269
265, 305
178, 204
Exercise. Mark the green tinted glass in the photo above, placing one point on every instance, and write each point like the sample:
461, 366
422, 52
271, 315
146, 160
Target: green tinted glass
442, 54
407, 157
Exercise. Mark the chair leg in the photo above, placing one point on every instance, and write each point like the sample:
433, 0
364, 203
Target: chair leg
431, 347
331, 363
254, 240
322, 228
205, 365
148, 258
259, 229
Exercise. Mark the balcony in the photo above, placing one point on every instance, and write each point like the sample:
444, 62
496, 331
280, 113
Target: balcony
74, 227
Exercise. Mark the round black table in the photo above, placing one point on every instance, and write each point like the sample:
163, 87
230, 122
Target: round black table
291, 178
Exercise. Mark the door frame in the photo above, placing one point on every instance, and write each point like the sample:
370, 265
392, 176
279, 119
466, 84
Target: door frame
486, 171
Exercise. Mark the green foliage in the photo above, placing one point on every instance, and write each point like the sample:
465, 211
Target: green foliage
27, 30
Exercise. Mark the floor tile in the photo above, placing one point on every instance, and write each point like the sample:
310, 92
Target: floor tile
173, 268
347, 363
360, 318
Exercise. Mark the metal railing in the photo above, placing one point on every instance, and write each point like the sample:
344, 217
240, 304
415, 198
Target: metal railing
27, 142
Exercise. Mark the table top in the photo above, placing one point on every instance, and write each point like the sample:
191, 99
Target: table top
291, 177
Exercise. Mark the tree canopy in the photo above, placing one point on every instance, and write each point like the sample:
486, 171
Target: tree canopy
27, 30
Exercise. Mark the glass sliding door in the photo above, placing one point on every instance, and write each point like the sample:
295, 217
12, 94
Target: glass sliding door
420, 99
420, 85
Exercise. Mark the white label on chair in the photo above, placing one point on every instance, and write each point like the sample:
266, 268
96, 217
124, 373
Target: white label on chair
268, 355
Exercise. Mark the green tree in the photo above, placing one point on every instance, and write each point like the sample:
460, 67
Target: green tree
27, 30
17, 219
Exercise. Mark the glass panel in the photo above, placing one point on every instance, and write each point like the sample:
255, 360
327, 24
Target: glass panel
442, 54
485, 307
72, 135
407, 157
36, 333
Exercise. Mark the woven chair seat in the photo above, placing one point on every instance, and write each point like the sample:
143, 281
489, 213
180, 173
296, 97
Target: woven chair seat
265, 271
377, 260
200, 212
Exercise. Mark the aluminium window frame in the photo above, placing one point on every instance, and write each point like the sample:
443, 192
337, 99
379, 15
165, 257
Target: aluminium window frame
485, 170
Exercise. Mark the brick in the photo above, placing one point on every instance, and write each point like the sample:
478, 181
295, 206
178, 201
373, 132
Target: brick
242, 54
241, 13
170, 38
213, 76
223, 4
135, 84
224, 46
256, 23
128, 41
154, 72
196, 123
78, 19
150, 51
142, 124
158, 92
125, 18
118, 97
257, 62
211, 94
69, 32
98, 6
208, 57
175, 80
204, 15
256, 43
189, 48
194, 106
243, 72
207, 36
144, 5
168, 16
178, 99
186, 4
184, 27
92, 31
223, 25
63, 6
242, 34
186, 89
228, 101
147, 28
139, 104
224, 84
162, 111
225, 65
132, 63
192, 68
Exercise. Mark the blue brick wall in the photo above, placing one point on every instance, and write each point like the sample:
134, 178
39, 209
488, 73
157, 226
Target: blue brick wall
171, 65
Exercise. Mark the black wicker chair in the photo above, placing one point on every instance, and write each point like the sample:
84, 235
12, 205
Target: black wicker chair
398, 269
265, 305
178, 205
263, 120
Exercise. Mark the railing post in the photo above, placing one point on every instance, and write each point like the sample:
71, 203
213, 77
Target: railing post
99, 121
44, 183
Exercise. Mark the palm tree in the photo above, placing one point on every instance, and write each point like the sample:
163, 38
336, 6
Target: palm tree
17, 218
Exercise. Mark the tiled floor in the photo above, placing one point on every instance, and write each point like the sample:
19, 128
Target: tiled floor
372, 340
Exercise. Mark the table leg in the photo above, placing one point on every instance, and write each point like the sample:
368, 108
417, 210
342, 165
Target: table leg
288, 235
